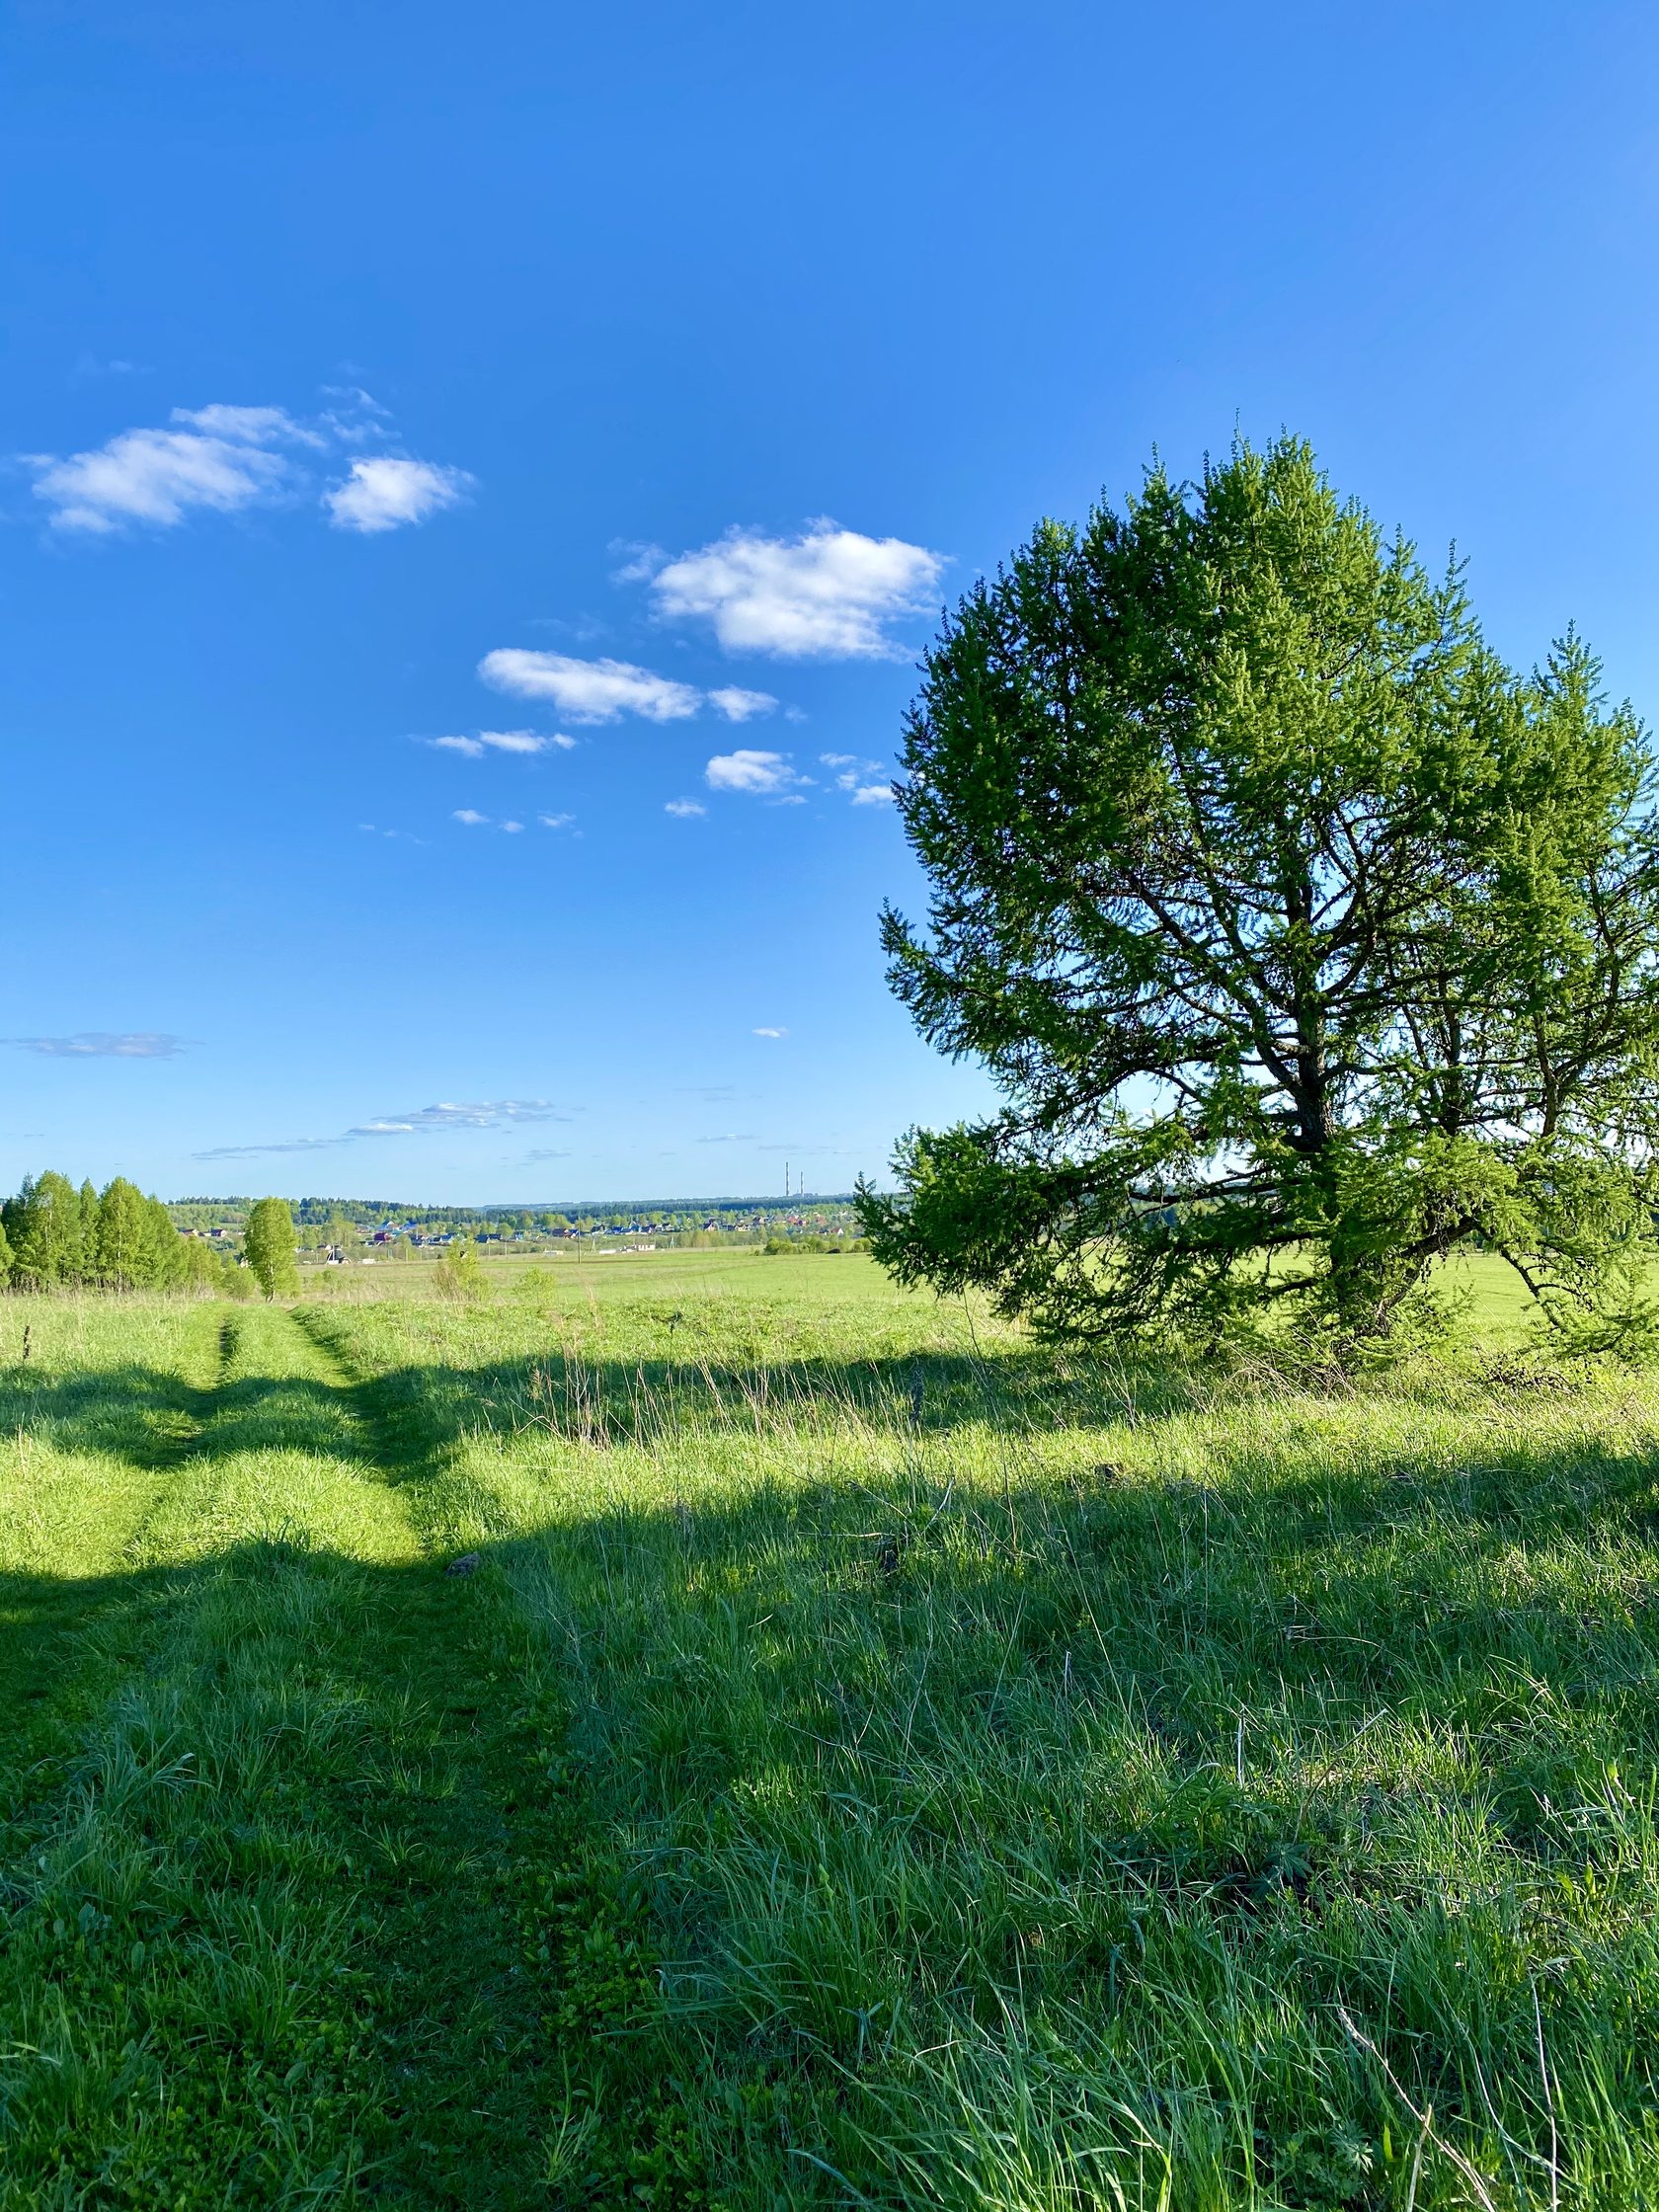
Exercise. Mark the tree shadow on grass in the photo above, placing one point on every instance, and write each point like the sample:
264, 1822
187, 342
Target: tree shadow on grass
1312, 1589
946, 1667
1315, 1589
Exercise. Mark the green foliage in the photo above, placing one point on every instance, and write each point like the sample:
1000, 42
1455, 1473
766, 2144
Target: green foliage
781, 1247
89, 1205
61, 1238
268, 1244
124, 1238
1306, 941
459, 1275
43, 1223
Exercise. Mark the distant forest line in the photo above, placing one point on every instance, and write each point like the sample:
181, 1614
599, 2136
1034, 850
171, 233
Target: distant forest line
673, 1215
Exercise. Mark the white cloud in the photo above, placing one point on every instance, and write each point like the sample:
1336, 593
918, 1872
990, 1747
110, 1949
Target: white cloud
738, 705
512, 827
772, 1033
642, 561
732, 1137
469, 815
873, 795
156, 477
223, 459
502, 741
385, 490
685, 809
555, 821
99, 1044
248, 426
766, 774
588, 691
514, 741
477, 1114
828, 592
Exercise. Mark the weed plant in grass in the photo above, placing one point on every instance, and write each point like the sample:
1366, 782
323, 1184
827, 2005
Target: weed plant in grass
871, 1761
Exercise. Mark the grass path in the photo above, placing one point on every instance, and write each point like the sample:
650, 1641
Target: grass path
269, 1939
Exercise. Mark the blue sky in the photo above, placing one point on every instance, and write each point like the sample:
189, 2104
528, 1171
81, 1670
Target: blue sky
644, 378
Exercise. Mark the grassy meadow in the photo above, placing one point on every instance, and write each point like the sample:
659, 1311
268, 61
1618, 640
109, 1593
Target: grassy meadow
861, 1760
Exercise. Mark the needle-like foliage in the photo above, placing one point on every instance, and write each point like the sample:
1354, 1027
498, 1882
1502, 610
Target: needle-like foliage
1306, 940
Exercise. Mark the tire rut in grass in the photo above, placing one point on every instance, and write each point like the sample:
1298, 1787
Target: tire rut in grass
471, 2077
520, 2016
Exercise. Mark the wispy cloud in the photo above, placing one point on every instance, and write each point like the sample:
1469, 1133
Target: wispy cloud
601, 691
159, 476
498, 1113
103, 1044
223, 459
502, 741
771, 1033
470, 816
356, 416
686, 810
738, 705
604, 690
737, 1136
248, 425
494, 1113
254, 1151
386, 491
853, 777
89, 366
827, 594
761, 775
555, 821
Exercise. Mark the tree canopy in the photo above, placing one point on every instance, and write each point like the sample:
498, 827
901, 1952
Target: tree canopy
267, 1244
1306, 940
55, 1237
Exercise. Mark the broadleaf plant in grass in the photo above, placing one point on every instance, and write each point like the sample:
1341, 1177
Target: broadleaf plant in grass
1306, 940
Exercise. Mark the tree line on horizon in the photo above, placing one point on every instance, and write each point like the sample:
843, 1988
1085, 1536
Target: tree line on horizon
55, 1237
321, 1220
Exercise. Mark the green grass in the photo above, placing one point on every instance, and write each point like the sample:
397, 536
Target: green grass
872, 1761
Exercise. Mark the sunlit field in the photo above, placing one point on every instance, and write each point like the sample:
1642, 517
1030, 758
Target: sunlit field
703, 1730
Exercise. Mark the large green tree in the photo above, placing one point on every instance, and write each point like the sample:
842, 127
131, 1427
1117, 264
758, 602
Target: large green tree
43, 1223
123, 1237
268, 1242
1306, 940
